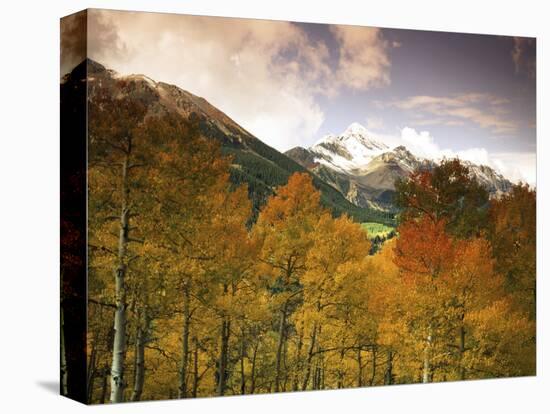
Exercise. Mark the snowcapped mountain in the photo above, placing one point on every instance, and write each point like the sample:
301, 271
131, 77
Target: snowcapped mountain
348, 152
494, 182
364, 169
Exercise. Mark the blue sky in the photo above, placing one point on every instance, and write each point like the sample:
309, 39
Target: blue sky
447, 66
440, 94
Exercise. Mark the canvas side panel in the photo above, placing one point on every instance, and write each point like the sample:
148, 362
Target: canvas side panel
73, 127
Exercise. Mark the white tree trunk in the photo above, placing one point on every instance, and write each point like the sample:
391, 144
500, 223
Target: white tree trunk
119, 345
139, 376
427, 370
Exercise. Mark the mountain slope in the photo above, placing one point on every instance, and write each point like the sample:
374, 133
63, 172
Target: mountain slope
364, 170
254, 163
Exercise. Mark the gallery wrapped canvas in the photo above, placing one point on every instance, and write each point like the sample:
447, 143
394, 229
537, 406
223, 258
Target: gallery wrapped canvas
253, 206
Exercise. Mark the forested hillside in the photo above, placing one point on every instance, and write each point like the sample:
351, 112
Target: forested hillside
254, 163
189, 297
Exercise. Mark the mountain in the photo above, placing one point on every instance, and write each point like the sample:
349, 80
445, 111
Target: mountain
493, 181
258, 165
349, 151
364, 170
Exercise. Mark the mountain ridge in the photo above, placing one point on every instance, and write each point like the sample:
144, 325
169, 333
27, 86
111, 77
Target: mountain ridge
255, 163
354, 171
366, 176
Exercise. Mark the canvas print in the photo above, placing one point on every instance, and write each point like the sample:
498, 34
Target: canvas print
253, 206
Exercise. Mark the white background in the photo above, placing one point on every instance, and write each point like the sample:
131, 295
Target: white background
29, 206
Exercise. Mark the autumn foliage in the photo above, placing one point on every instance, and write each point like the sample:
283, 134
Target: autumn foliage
213, 302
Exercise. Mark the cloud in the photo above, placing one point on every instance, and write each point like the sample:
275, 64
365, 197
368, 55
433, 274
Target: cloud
364, 62
374, 123
485, 110
106, 40
73, 41
263, 74
420, 143
436, 121
516, 166
524, 56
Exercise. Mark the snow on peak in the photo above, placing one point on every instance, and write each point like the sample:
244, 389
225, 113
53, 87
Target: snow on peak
358, 135
356, 128
351, 150
325, 139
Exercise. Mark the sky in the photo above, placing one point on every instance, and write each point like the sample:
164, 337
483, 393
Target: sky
437, 93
